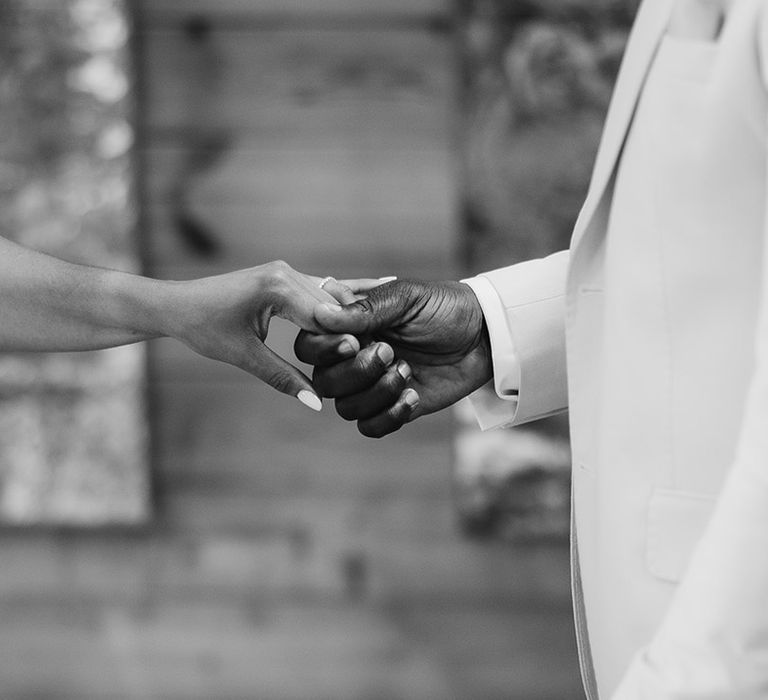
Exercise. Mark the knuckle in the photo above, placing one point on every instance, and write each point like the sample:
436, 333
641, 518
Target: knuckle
398, 414
279, 270
365, 305
370, 363
278, 378
392, 383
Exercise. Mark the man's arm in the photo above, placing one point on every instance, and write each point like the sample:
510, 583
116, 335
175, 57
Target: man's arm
524, 308
450, 339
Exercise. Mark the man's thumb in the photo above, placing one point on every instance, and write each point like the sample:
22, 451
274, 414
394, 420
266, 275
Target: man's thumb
382, 308
344, 319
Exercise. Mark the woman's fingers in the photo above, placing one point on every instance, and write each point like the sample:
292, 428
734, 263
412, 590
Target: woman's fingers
361, 286
340, 291
333, 291
350, 290
295, 296
264, 363
298, 295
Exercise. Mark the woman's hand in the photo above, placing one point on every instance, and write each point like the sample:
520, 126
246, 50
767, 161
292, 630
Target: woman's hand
227, 318
49, 305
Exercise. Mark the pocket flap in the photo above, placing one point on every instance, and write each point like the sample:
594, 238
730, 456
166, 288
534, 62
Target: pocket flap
676, 522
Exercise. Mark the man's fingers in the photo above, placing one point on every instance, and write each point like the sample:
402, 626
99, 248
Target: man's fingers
379, 397
268, 366
354, 318
404, 410
325, 350
356, 374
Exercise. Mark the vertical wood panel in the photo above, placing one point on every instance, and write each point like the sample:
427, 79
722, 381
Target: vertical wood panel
73, 433
337, 147
296, 11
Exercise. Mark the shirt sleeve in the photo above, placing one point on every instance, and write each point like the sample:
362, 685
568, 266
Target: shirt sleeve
490, 412
524, 309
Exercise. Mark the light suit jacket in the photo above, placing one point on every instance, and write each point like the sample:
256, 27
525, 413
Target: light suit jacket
658, 331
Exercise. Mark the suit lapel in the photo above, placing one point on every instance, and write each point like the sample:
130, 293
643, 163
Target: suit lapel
652, 19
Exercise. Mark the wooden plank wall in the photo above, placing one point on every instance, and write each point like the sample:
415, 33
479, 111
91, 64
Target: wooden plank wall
338, 125
291, 559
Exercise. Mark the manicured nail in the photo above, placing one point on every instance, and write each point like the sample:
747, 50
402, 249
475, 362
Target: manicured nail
309, 399
347, 348
385, 353
404, 370
387, 279
411, 398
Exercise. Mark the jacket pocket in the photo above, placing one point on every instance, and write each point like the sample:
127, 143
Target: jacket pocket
676, 522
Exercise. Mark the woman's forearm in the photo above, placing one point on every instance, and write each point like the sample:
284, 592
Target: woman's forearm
47, 304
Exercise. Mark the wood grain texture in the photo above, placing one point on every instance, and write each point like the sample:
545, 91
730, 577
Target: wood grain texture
158, 12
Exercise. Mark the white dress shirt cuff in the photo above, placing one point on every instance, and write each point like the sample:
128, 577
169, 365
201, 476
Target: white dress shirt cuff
496, 403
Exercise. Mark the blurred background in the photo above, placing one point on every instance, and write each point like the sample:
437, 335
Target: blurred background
170, 528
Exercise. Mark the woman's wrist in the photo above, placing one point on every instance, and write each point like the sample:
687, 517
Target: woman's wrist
146, 307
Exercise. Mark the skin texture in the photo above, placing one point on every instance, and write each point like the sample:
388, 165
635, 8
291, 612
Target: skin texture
424, 346
47, 304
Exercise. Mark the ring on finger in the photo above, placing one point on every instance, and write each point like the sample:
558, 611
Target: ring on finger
325, 281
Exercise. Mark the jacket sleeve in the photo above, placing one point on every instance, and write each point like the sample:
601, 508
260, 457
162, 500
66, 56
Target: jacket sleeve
524, 308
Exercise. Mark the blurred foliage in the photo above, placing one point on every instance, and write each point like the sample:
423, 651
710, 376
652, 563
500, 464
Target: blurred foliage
537, 79
72, 426
65, 111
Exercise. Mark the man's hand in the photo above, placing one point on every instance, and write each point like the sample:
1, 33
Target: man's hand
424, 346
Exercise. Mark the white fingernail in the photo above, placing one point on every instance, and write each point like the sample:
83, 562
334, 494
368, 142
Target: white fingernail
387, 279
309, 399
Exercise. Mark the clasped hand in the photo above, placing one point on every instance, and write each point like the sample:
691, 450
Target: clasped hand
386, 352
406, 349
